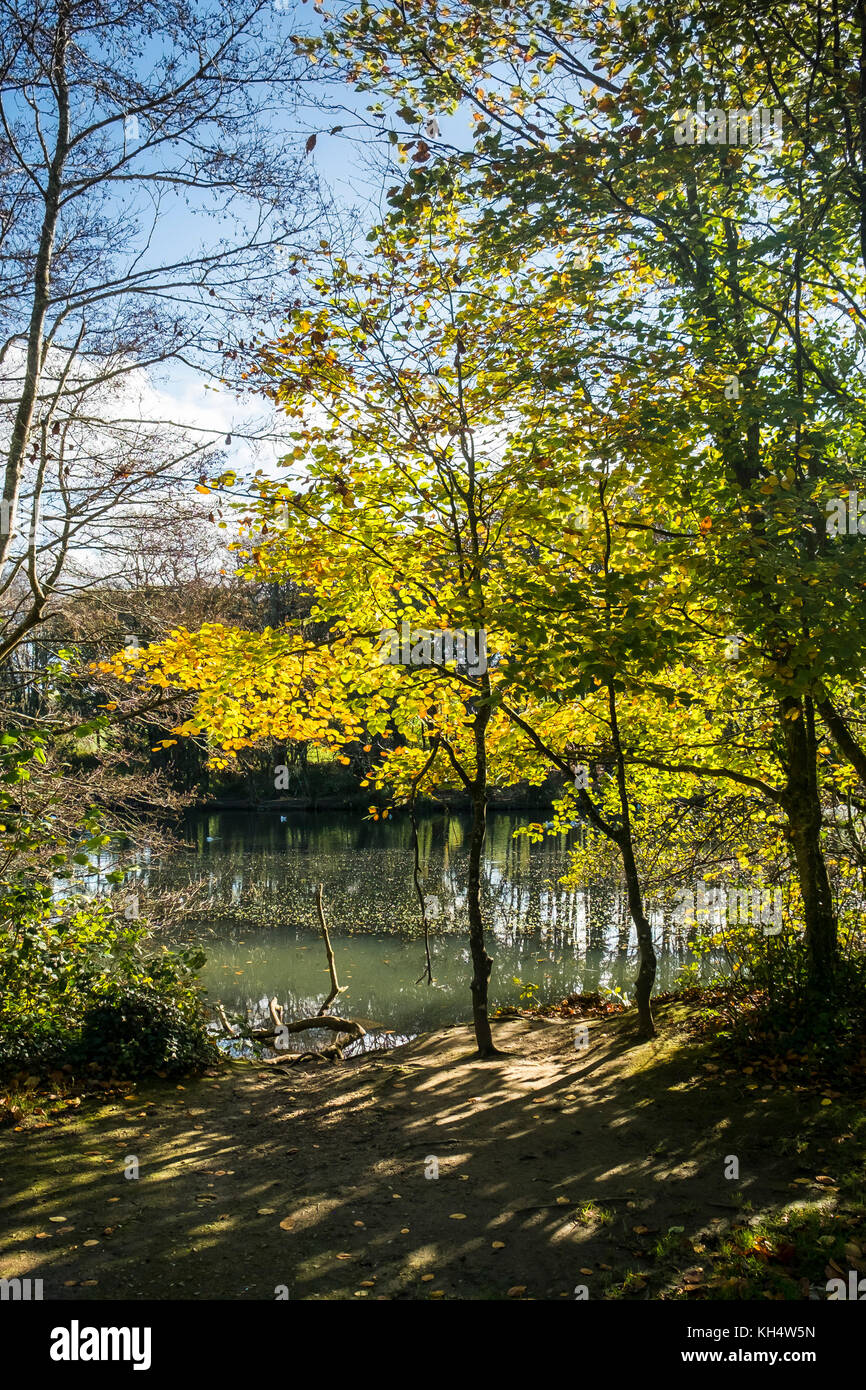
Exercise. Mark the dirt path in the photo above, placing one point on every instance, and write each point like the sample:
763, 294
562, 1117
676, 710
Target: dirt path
556, 1168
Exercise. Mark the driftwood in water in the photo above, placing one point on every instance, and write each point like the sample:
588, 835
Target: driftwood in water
329, 952
337, 1025
221, 1015
346, 1029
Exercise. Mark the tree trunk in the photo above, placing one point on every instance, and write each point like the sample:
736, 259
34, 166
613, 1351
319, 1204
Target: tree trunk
481, 961
818, 913
646, 974
803, 809
41, 295
646, 951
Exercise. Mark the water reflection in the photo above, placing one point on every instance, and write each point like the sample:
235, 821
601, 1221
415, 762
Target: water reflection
260, 931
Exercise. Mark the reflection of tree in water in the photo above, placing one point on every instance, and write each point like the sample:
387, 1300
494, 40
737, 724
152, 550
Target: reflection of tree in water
261, 872
263, 869
603, 903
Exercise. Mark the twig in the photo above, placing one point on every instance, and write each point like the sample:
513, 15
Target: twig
332, 967
416, 866
336, 1025
221, 1015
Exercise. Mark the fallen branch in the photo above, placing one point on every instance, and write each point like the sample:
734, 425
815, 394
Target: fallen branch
329, 951
221, 1015
427, 972
300, 1025
346, 1029
307, 1059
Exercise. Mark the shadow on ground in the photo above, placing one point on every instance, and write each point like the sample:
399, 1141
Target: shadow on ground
557, 1167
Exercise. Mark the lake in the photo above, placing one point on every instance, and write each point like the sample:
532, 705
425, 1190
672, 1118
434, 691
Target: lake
256, 919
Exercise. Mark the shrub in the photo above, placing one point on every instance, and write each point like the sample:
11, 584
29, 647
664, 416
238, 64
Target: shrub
769, 1007
81, 988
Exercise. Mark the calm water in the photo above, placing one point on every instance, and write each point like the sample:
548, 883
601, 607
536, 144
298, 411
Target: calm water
256, 917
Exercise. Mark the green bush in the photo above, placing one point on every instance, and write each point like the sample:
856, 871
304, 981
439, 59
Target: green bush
138, 1030
829, 1026
82, 988
771, 1008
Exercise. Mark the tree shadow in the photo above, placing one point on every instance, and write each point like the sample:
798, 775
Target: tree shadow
518, 1173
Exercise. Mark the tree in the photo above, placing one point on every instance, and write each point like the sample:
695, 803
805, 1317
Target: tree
118, 120
725, 277
425, 509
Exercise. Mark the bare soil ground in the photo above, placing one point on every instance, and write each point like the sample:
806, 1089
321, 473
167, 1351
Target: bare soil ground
557, 1168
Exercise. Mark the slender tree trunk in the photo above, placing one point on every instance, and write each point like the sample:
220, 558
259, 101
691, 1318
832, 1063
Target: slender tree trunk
481, 961
646, 974
646, 951
416, 863
803, 808
482, 964
41, 294
820, 919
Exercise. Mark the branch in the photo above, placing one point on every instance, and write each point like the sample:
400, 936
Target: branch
329, 952
300, 1025
843, 736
